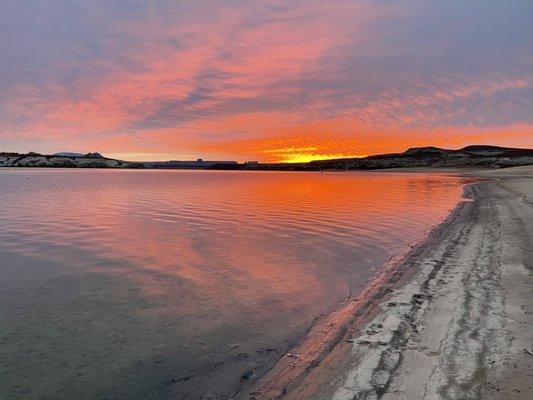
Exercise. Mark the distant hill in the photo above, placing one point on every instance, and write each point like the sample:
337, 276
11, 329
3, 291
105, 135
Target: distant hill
89, 160
433, 157
477, 156
469, 156
68, 154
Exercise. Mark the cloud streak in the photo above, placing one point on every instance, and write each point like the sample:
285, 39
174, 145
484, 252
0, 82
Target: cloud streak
269, 80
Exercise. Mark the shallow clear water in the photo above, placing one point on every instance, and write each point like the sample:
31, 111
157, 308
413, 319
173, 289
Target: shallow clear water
166, 284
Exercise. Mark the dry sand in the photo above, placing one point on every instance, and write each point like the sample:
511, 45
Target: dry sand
451, 320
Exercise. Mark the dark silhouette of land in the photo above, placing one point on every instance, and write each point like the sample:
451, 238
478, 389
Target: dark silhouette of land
478, 156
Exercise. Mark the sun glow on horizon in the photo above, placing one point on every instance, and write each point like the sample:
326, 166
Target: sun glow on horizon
303, 158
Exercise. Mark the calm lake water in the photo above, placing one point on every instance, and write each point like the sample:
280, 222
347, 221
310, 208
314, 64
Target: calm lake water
169, 284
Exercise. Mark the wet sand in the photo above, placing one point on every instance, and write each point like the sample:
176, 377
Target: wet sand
451, 320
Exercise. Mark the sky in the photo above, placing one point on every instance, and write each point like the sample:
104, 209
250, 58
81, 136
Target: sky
287, 81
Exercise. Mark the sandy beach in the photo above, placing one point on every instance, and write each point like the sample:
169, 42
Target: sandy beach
450, 320
266, 200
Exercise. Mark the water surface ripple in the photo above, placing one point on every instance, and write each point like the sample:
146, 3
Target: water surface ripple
168, 284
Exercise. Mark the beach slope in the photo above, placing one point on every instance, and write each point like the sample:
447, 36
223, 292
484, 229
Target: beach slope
457, 322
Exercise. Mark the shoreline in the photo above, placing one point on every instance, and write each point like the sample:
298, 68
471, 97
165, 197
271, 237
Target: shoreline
473, 156
411, 332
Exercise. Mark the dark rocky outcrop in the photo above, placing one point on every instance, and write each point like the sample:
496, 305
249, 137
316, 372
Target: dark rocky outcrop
90, 160
470, 156
93, 155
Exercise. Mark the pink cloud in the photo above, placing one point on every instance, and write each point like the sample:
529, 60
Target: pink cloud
240, 78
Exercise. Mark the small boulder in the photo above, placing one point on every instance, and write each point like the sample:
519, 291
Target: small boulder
93, 155
62, 162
